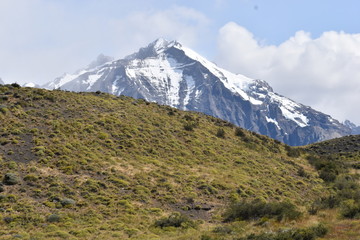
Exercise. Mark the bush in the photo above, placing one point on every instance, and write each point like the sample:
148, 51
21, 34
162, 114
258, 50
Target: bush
15, 85
239, 132
11, 179
31, 178
328, 168
8, 219
320, 230
175, 220
328, 174
67, 202
189, 126
3, 109
220, 133
222, 230
302, 173
310, 233
53, 218
257, 209
208, 189
350, 209
292, 151
205, 237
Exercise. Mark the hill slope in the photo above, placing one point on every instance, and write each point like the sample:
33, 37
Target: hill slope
79, 165
168, 73
344, 146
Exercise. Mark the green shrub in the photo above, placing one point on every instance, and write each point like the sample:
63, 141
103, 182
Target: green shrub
320, 230
67, 202
328, 168
328, 174
206, 237
257, 209
350, 209
15, 85
11, 179
53, 218
189, 126
292, 151
8, 219
239, 132
302, 173
4, 98
220, 133
222, 230
119, 182
11, 198
177, 220
310, 233
31, 178
3, 109
208, 189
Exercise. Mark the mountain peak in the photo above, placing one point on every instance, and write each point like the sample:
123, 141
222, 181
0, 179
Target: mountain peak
155, 48
159, 44
354, 129
100, 60
162, 44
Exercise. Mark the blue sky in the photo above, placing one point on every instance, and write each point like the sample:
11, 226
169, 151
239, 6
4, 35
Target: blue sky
307, 50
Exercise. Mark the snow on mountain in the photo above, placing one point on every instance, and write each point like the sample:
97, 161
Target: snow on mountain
169, 73
237, 83
290, 109
65, 78
354, 129
1, 81
30, 84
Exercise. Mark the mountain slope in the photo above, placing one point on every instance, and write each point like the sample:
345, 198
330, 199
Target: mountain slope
171, 74
80, 165
354, 129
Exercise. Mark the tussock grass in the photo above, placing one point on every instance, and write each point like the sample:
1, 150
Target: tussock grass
122, 165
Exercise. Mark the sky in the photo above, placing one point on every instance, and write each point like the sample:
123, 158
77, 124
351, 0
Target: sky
306, 50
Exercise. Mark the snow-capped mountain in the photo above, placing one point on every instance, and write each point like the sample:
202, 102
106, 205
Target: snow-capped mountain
169, 73
354, 129
31, 84
1, 81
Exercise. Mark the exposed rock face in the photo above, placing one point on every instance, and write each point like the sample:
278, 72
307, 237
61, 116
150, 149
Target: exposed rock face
355, 130
170, 74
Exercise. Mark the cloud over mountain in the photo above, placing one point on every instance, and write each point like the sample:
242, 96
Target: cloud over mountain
47, 38
322, 72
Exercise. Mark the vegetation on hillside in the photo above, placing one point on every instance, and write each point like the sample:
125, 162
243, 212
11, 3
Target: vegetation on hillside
338, 163
79, 165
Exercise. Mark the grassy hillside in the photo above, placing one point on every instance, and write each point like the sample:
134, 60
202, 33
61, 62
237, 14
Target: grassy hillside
338, 164
97, 166
348, 146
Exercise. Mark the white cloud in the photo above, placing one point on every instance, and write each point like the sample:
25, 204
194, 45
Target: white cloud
323, 72
40, 39
176, 23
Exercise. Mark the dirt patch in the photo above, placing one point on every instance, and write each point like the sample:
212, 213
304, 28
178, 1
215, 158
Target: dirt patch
20, 151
